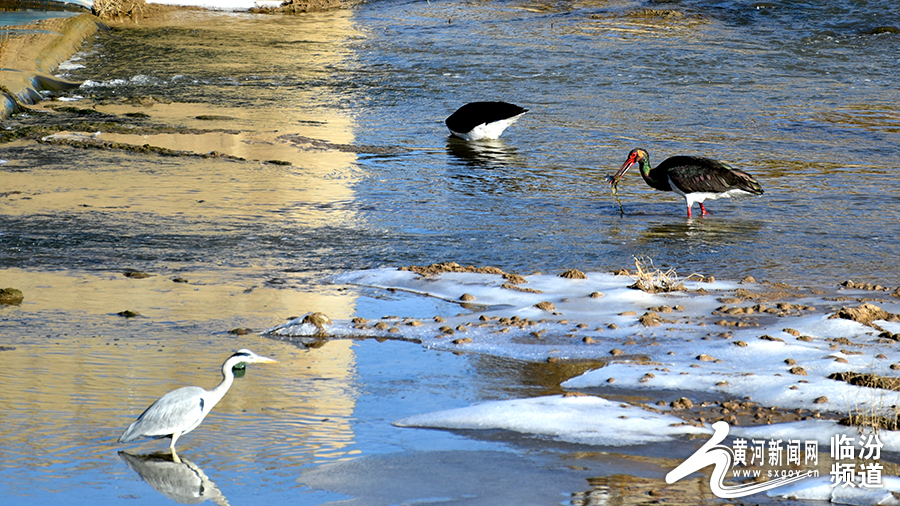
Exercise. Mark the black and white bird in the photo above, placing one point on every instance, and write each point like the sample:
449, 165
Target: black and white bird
483, 120
181, 411
693, 177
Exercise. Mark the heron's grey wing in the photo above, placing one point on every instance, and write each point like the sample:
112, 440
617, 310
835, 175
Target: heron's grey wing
175, 412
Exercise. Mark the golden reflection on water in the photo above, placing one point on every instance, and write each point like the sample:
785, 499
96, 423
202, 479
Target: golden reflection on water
206, 296
67, 401
78, 373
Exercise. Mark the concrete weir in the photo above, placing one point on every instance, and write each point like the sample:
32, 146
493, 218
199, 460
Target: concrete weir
30, 53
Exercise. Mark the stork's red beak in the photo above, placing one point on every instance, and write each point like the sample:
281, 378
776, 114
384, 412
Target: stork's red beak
632, 159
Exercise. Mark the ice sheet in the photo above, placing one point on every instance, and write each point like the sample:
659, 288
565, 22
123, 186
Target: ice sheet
782, 361
780, 356
220, 5
578, 419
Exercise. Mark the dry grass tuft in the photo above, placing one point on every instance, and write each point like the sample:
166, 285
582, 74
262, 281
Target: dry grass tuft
652, 280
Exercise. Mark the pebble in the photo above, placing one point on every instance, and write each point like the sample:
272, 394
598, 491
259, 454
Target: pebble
682, 403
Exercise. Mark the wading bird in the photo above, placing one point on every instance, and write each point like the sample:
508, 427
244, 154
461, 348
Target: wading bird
181, 411
483, 120
693, 177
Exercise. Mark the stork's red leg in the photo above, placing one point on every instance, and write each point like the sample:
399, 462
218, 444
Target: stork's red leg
703, 210
689, 211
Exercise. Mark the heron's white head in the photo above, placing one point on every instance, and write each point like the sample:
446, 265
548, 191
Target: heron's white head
248, 357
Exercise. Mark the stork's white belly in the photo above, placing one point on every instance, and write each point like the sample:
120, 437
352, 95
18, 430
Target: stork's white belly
487, 130
695, 197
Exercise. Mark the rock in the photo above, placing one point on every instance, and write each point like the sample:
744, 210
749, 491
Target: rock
545, 306
682, 403
240, 331
573, 274
136, 275
596, 295
462, 340
742, 344
616, 352
128, 314
820, 400
467, 297
705, 358
317, 319
790, 361
865, 314
514, 279
650, 319
11, 296
799, 371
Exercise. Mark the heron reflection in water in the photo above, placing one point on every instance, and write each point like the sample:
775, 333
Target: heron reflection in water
181, 411
178, 479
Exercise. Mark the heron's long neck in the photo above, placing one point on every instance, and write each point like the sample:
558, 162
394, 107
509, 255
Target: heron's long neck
216, 394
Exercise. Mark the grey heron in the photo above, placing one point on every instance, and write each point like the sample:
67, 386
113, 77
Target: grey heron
181, 411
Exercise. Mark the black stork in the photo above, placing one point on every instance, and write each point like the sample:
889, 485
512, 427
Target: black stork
693, 177
483, 120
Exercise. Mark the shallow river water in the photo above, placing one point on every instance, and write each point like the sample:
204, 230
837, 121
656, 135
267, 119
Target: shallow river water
339, 160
